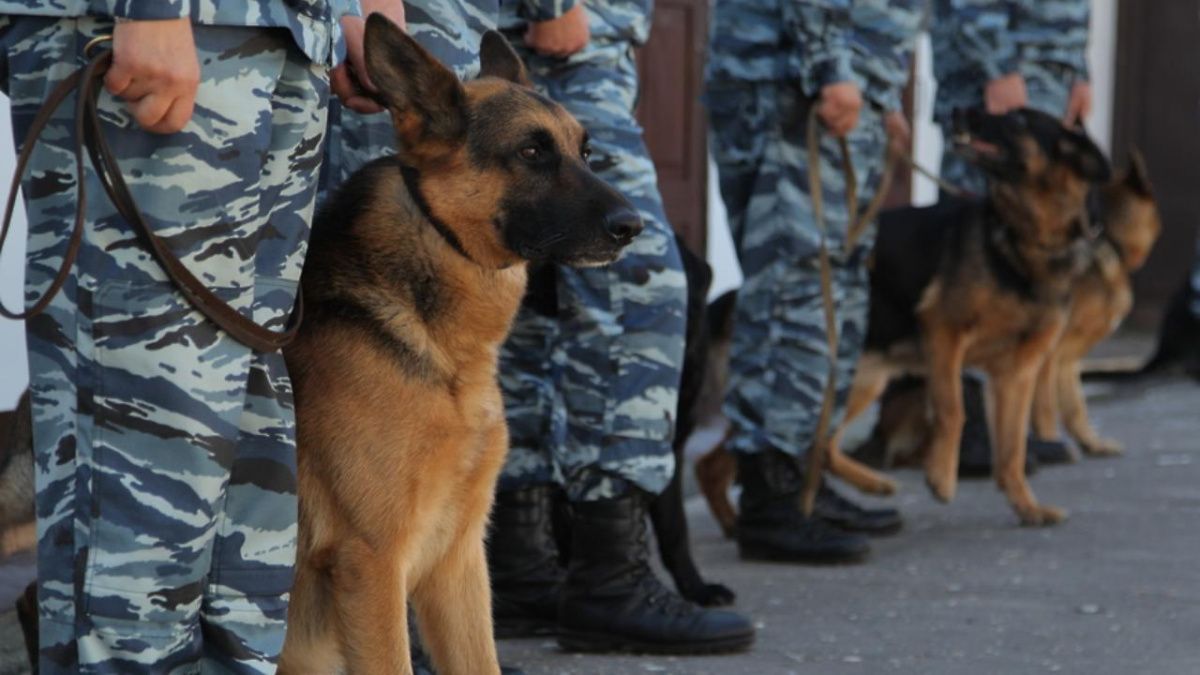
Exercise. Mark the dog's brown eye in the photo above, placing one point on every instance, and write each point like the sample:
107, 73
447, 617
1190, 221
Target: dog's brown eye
586, 152
530, 153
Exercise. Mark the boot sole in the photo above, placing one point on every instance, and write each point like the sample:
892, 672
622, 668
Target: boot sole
769, 554
587, 642
514, 629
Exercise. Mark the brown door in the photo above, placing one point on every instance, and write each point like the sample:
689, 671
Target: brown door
1158, 110
671, 67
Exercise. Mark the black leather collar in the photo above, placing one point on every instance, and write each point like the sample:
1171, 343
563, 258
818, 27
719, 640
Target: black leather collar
412, 180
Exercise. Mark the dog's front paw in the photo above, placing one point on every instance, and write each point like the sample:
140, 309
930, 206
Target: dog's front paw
1103, 447
941, 485
883, 486
1040, 515
711, 595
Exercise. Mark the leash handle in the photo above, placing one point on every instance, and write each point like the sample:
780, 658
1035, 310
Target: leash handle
89, 133
819, 451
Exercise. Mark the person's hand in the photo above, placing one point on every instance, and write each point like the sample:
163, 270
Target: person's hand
1004, 94
560, 37
156, 71
840, 104
1079, 105
899, 132
349, 81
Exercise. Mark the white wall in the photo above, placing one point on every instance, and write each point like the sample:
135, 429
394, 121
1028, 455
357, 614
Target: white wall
14, 367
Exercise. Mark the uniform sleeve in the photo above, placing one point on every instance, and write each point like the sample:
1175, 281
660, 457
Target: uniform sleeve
822, 30
978, 31
545, 10
149, 10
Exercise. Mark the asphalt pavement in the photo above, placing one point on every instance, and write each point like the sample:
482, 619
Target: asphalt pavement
963, 589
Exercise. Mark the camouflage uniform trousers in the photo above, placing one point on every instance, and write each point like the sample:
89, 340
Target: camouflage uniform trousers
1049, 87
780, 357
591, 394
165, 449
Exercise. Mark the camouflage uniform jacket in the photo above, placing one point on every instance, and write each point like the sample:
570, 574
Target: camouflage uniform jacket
816, 42
312, 23
980, 40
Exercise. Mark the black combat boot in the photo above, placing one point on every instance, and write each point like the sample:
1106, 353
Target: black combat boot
770, 523
523, 563
975, 446
612, 601
851, 517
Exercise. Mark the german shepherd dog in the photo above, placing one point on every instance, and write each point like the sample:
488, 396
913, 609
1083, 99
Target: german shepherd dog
416, 269
996, 294
17, 528
1100, 300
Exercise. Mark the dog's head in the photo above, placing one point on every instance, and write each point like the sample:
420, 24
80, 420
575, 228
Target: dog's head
501, 166
1131, 213
1035, 165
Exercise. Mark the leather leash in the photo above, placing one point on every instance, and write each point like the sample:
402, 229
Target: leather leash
89, 134
818, 453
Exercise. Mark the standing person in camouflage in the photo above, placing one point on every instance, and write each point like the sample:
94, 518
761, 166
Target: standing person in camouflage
591, 391
769, 64
1003, 55
166, 449
1006, 54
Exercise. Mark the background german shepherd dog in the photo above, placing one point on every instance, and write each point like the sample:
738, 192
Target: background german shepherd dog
995, 295
17, 528
416, 269
1100, 299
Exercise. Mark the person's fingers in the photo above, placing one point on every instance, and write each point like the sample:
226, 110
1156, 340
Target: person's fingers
151, 109
363, 105
176, 117
117, 80
341, 85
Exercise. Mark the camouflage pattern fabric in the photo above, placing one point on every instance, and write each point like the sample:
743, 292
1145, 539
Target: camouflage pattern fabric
619, 23
975, 41
780, 363
165, 449
312, 23
591, 394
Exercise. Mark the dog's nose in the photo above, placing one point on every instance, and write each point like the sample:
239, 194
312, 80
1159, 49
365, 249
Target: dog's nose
624, 225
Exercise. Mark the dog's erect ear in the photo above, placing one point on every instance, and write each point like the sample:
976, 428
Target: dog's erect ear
1137, 178
1083, 155
498, 59
426, 99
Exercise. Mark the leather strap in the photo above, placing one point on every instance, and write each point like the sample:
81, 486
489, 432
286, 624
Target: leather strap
819, 452
89, 134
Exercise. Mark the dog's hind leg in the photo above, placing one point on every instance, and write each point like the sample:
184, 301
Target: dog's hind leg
1045, 400
453, 604
715, 472
947, 348
1012, 388
870, 379
1075, 415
